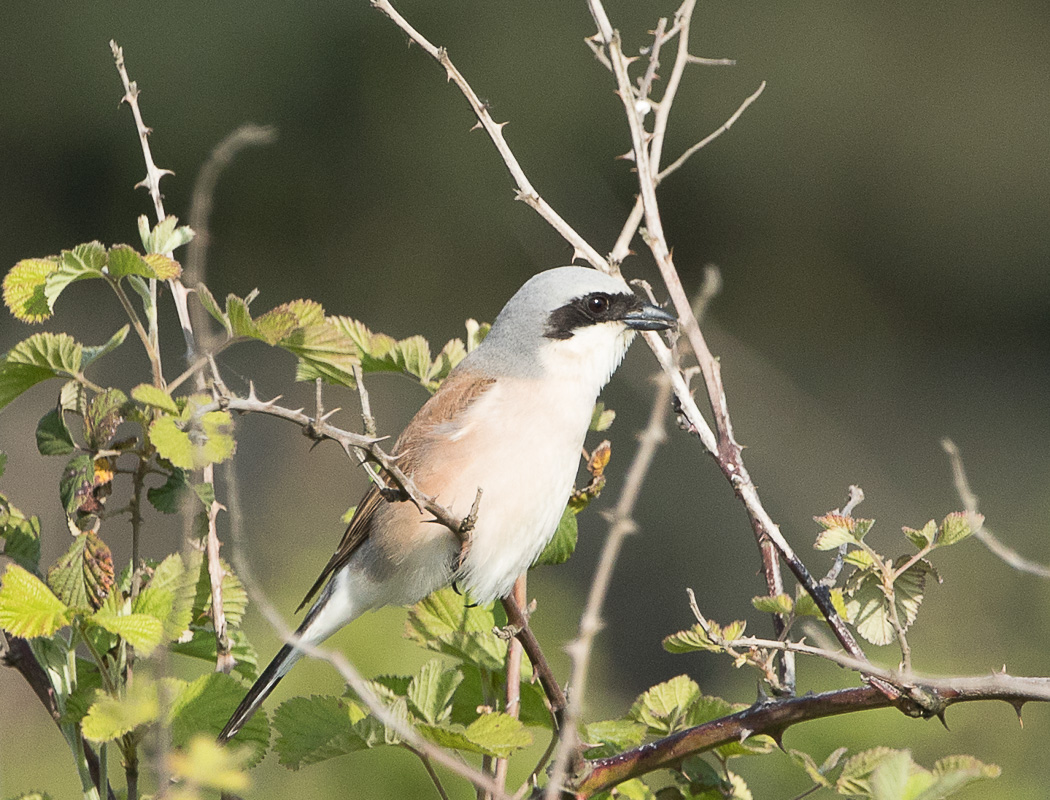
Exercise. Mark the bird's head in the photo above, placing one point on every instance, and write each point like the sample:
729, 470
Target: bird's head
570, 323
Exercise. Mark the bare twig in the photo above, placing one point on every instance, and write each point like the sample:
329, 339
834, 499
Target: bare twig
621, 525
980, 530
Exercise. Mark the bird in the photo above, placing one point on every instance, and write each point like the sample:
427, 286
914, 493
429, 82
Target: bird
510, 420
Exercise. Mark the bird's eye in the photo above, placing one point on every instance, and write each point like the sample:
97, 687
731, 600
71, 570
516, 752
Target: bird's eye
597, 304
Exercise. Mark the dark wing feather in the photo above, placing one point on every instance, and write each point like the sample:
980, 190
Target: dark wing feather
456, 394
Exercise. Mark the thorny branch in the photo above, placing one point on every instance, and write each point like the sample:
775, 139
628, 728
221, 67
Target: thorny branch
621, 525
224, 661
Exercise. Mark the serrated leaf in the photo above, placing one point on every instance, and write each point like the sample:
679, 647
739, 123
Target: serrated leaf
124, 260
41, 356
83, 577
165, 236
443, 622
924, 536
696, 638
780, 604
24, 289
194, 440
889, 780
207, 300
665, 707
324, 347
234, 595
77, 483
314, 729
92, 354
206, 764
170, 577
615, 736
109, 717
105, 412
240, 318
204, 705
855, 772
27, 607
275, 325
21, 536
815, 773
201, 644
956, 527
155, 397
413, 354
563, 544
451, 354
430, 690
73, 398
806, 607
163, 267
52, 436
144, 632
495, 734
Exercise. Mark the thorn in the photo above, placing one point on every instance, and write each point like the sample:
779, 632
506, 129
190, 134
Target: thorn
1018, 705
501, 125
944, 722
628, 156
325, 417
744, 734
477, 126
577, 253
778, 737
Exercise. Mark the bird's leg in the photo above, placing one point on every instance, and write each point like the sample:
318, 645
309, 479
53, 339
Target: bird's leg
555, 696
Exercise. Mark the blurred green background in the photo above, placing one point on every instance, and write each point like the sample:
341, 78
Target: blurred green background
879, 217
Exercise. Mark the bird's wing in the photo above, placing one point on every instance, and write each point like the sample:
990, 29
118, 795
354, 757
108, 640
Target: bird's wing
459, 391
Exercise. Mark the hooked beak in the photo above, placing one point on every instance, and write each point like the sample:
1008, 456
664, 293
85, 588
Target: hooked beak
649, 318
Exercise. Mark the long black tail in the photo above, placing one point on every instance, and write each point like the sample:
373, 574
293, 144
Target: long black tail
260, 690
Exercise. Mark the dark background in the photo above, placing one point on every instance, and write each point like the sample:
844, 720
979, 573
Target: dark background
879, 217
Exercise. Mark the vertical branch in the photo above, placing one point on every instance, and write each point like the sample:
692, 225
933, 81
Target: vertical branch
621, 525
514, 653
179, 293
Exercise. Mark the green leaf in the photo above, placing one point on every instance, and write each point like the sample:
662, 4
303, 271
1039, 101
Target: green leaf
853, 780
314, 729
206, 764
923, 537
956, 527
207, 300
21, 536
155, 397
204, 705
52, 436
889, 780
77, 483
430, 690
443, 622
170, 578
92, 354
696, 638
105, 412
665, 707
837, 531
144, 632
325, 351
27, 607
83, 262
110, 718
495, 734
163, 267
41, 356
451, 354
234, 595
24, 289
124, 261
83, 577
275, 325
780, 604
815, 773
194, 440
602, 418
563, 544
202, 645
868, 609
806, 607
165, 236
613, 736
